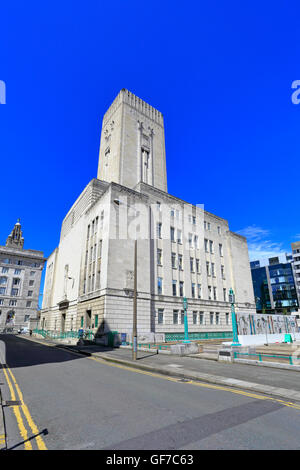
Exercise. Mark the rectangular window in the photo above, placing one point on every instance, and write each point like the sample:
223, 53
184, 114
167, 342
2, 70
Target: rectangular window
192, 264
172, 233
182, 317
206, 245
207, 268
158, 206
215, 293
159, 256
3, 280
219, 230
173, 257
227, 318
20, 262
28, 303
158, 229
181, 288
193, 290
180, 262
211, 318
211, 246
160, 317
201, 318
4, 270
194, 318
2, 290
26, 318
179, 236
190, 240
196, 242
1, 301
224, 294
31, 282
17, 271
198, 266
199, 291
16, 281
217, 318
159, 285
220, 249
174, 287
222, 272
96, 320
209, 292
14, 292
29, 293
213, 269
12, 303
175, 317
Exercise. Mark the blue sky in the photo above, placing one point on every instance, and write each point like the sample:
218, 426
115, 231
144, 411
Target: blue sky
221, 74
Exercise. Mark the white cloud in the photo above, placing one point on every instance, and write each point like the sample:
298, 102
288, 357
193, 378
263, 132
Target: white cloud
259, 244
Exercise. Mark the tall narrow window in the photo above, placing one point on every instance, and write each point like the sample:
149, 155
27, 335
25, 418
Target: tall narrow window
159, 256
160, 317
172, 233
181, 288
159, 285
158, 230
180, 266
173, 259
193, 290
174, 287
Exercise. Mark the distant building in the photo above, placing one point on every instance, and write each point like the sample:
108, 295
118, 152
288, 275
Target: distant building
274, 286
20, 277
296, 266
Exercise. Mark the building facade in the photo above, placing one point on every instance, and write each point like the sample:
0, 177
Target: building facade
182, 250
20, 277
296, 267
274, 286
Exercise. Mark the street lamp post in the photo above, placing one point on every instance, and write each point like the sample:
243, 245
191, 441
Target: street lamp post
134, 320
233, 319
186, 332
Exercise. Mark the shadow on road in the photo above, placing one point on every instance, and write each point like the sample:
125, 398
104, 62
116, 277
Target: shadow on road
16, 351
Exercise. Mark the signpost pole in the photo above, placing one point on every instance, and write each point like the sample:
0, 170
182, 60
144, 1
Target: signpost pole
186, 332
233, 319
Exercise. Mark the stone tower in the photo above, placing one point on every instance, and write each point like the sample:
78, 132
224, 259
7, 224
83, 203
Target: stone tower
132, 147
15, 239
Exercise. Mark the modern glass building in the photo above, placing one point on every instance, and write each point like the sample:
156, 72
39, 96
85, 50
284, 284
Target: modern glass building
274, 287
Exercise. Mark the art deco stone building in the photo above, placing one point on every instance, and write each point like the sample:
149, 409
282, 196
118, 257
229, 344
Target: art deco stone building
20, 277
182, 249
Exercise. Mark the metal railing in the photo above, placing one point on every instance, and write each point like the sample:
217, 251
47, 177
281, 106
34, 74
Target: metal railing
260, 356
88, 335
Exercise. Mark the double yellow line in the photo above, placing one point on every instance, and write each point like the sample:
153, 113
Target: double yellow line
11, 382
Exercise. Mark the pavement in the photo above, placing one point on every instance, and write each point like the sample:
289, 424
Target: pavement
278, 383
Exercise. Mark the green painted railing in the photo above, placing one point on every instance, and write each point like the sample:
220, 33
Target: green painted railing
261, 356
89, 335
199, 335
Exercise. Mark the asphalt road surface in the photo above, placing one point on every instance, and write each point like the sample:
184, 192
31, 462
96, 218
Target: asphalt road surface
75, 402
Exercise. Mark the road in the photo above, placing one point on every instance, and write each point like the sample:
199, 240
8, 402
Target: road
76, 402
